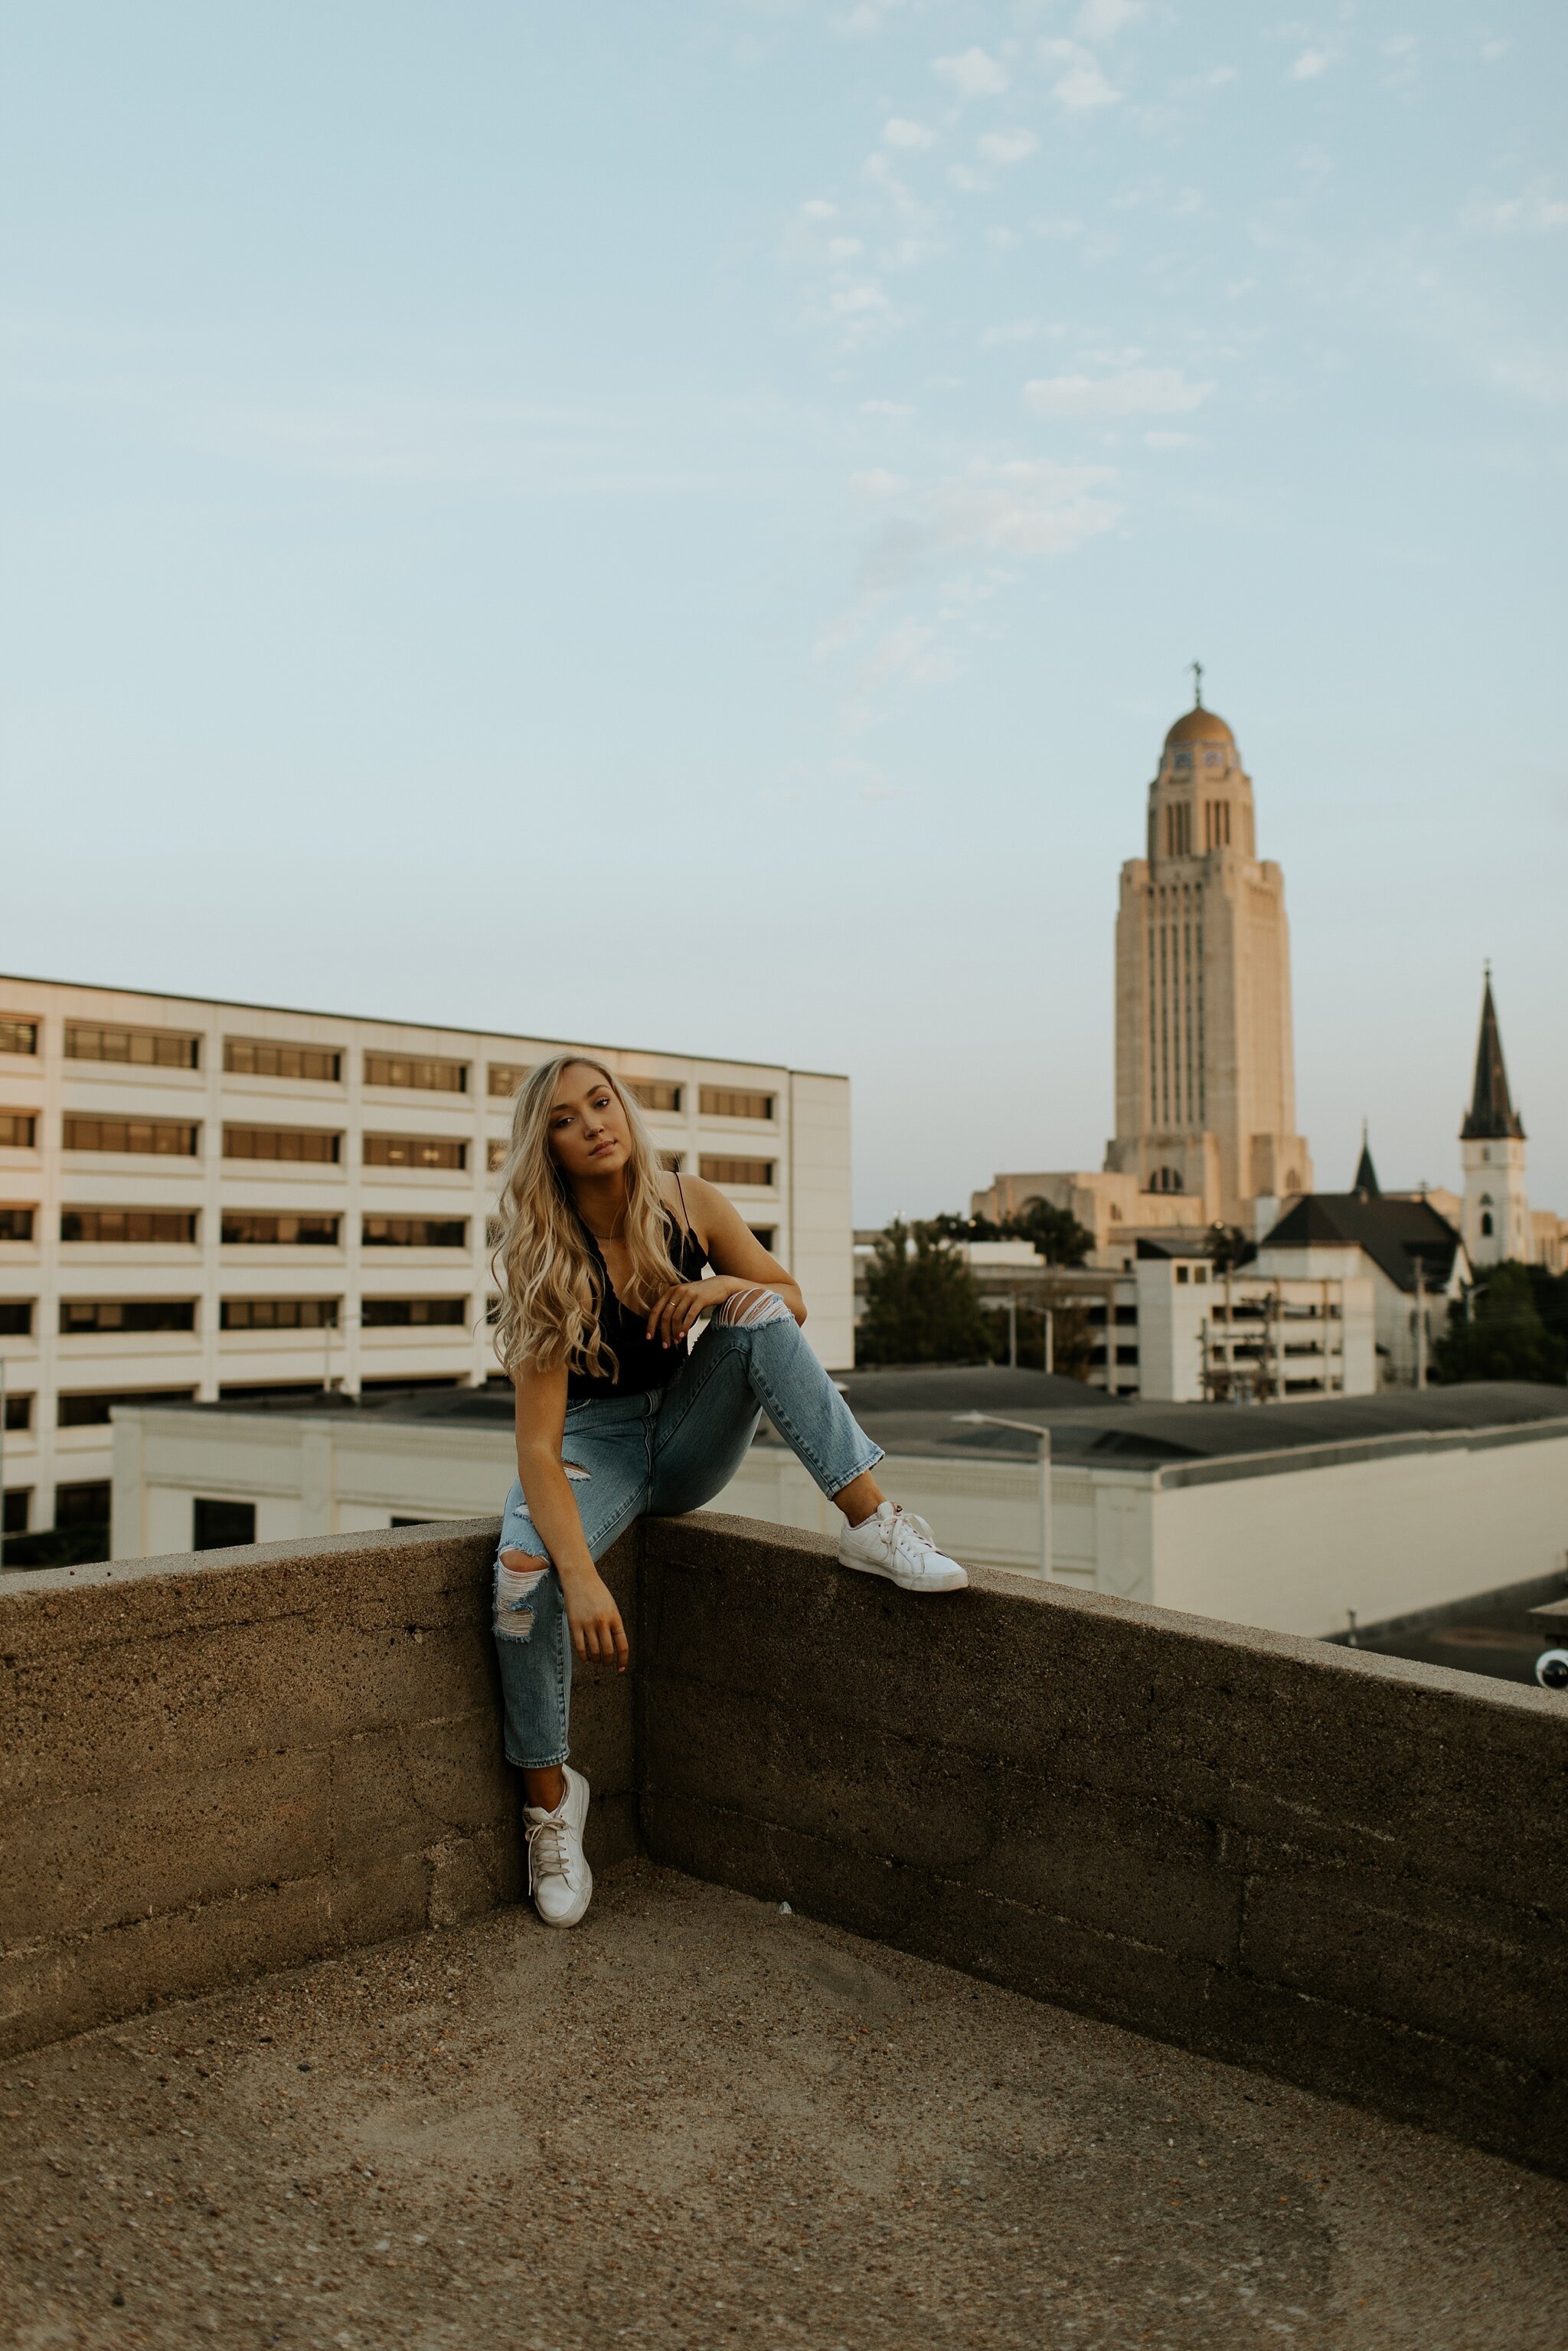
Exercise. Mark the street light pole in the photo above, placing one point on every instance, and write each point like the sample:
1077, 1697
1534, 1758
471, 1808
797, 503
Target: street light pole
1030, 1428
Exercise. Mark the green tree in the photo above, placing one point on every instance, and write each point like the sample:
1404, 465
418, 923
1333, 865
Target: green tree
921, 1303
1053, 1233
1500, 1332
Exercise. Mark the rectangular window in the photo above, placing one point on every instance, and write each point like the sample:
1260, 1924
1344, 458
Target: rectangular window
15, 1318
17, 1224
279, 1314
142, 1048
81, 1505
114, 1315
250, 1228
18, 1411
717, 1168
151, 1225
84, 1411
257, 1056
17, 1510
767, 1234
221, 1526
733, 1102
506, 1077
316, 1144
429, 1077
18, 1036
404, 1313
414, 1150
163, 1138
1178, 829
19, 1129
653, 1093
415, 1232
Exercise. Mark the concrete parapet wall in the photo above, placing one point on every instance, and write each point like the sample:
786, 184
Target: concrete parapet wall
217, 1764
1345, 1869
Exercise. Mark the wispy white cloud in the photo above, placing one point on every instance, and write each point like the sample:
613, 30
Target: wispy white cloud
975, 73
876, 484
1080, 87
900, 131
1311, 65
1102, 20
1017, 331
1131, 391
891, 409
1168, 440
1005, 147
1531, 212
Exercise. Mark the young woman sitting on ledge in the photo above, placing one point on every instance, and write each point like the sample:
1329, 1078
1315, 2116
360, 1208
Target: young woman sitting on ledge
606, 1265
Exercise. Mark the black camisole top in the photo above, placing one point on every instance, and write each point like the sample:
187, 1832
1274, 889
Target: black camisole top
642, 1363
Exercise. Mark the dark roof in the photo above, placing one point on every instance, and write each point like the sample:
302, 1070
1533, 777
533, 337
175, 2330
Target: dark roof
1491, 1113
1394, 1233
1365, 1177
917, 1411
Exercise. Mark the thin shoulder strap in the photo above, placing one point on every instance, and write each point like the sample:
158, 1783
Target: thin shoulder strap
685, 1212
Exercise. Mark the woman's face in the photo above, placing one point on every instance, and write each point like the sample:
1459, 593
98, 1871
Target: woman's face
588, 1135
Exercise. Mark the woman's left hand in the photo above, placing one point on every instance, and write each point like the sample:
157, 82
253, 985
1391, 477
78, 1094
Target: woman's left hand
680, 1309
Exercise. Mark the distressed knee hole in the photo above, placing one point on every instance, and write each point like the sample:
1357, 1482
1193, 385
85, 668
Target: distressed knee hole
514, 1621
749, 1310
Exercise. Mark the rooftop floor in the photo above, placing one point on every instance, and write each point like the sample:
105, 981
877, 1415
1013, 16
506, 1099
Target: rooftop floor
698, 2121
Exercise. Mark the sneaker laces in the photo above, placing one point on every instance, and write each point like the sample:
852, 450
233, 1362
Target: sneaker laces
909, 1522
554, 1860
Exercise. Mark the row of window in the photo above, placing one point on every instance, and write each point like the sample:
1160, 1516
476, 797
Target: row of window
140, 1316
161, 1138
177, 1228
260, 1057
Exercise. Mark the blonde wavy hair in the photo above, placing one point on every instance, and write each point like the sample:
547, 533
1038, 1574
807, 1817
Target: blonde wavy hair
549, 1279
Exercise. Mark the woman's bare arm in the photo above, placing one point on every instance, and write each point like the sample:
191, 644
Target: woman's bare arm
740, 1263
590, 1612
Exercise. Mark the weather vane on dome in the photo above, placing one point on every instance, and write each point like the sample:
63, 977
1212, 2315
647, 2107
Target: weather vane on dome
1197, 669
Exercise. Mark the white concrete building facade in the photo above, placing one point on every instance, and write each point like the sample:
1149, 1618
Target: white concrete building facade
208, 1199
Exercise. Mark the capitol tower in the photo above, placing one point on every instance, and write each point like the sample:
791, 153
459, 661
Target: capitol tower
1205, 1090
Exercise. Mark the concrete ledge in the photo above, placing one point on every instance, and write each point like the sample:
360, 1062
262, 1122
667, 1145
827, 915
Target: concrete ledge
1337, 1867
1345, 1868
220, 1763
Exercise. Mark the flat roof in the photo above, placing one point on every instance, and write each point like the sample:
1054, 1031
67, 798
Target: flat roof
436, 1028
914, 1412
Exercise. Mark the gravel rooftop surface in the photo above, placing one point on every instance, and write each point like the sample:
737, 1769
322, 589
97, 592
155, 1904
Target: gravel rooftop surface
698, 2120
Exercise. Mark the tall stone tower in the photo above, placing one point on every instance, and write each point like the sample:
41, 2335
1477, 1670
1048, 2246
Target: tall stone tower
1491, 1145
1205, 1090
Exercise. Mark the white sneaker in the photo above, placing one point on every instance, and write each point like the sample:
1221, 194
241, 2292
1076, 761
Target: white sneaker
559, 1880
897, 1544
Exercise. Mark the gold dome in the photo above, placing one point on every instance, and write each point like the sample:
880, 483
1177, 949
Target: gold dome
1201, 726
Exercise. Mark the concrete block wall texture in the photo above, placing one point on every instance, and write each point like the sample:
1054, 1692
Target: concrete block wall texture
216, 1764
1343, 1869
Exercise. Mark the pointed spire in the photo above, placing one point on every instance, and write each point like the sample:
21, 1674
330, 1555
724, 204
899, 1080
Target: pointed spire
1491, 1114
1366, 1181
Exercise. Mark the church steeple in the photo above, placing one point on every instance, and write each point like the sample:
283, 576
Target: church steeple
1491, 1116
1366, 1181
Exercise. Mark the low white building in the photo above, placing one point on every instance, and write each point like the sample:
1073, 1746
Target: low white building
1287, 1515
227, 1201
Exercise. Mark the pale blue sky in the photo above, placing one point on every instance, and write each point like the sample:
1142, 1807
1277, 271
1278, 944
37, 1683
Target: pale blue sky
683, 524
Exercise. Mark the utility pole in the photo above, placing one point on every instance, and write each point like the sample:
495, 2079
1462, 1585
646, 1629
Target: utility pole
1420, 1321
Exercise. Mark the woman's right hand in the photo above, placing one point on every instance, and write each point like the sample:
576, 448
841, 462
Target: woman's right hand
594, 1620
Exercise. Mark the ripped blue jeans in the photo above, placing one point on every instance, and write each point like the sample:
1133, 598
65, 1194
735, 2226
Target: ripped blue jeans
670, 1450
